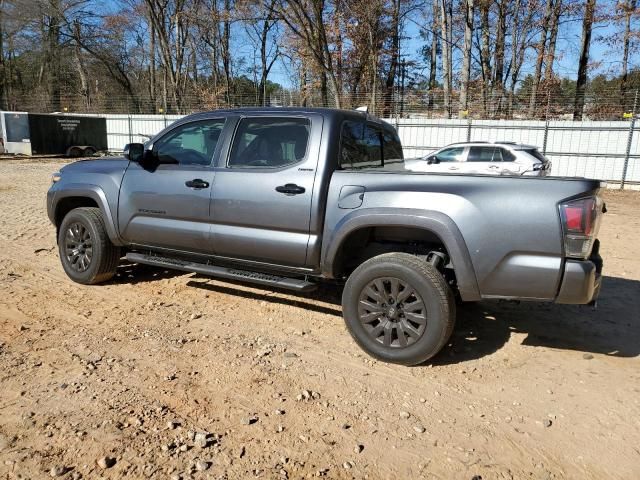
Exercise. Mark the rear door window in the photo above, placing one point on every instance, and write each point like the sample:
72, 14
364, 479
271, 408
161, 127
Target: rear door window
484, 154
269, 142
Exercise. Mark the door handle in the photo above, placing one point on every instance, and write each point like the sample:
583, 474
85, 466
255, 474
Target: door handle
494, 166
197, 183
453, 168
290, 189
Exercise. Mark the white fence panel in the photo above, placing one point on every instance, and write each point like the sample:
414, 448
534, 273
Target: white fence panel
123, 129
593, 149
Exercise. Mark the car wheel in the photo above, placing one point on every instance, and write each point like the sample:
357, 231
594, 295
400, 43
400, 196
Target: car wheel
399, 308
86, 252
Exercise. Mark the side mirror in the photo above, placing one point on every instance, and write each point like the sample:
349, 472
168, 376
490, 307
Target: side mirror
432, 159
134, 152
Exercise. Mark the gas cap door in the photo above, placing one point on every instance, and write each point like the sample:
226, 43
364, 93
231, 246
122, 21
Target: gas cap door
351, 196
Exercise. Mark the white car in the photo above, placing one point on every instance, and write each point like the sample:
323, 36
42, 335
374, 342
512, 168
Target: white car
496, 158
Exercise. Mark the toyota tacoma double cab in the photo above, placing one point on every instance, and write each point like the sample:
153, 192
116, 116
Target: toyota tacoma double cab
292, 197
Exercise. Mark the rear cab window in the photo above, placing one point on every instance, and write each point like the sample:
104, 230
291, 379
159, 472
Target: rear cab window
366, 145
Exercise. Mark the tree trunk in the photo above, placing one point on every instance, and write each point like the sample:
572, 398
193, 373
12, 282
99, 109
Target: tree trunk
152, 66
583, 63
433, 67
395, 53
498, 63
540, 58
3, 67
82, 71
485, 62
515, 40
226, 53
629, 8
445, 27
553, 36
53, 43
466, 60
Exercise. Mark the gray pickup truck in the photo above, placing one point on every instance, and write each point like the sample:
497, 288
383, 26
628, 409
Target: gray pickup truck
289, 198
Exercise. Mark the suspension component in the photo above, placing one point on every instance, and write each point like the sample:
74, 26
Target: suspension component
438, 259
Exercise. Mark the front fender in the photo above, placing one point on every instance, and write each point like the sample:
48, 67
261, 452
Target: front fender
58, 193
436, 222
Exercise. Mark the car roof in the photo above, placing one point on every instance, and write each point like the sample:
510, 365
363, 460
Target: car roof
331, 114
507, 144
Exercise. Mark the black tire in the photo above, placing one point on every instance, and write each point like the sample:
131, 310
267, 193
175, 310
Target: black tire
381, 334
89, 152
86, 252
74, 152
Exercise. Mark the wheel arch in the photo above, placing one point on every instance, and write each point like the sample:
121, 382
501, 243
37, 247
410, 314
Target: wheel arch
86, 196
432, 226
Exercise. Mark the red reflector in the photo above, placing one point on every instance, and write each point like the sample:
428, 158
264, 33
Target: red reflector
573, 218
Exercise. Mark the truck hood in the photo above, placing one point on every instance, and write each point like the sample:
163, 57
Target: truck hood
106, 166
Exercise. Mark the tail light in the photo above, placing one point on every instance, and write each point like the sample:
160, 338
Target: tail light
580, 222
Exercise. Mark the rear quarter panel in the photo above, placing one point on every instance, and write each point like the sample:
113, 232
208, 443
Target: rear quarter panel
510, 226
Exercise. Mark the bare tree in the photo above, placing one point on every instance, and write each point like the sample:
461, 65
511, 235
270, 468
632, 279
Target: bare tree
581, 82
446, 38
85, 93
466, 62
306, 19
628, 8
433, 57
540, 52
485, 60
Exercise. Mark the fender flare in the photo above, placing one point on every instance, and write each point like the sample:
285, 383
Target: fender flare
95, 193
436, 222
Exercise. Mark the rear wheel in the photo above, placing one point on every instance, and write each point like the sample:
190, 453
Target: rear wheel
86, 252
399, 308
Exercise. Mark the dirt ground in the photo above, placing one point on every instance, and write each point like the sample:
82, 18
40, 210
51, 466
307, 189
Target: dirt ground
173, 375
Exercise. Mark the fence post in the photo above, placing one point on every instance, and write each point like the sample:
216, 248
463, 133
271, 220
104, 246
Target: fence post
469, 122
544, 139
628, 151
629, 141
130, 129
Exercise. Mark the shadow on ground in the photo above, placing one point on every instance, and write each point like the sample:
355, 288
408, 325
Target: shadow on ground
133, 273
482, 328
612, 329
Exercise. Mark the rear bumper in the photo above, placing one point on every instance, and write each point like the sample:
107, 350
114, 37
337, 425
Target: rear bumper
582, 279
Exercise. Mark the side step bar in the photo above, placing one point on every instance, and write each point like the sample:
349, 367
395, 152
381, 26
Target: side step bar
223, 272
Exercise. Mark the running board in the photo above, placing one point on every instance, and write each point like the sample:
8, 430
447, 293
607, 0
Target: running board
223, 272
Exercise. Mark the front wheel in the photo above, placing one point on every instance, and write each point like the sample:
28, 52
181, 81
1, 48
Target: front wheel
86, 252
399, 308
